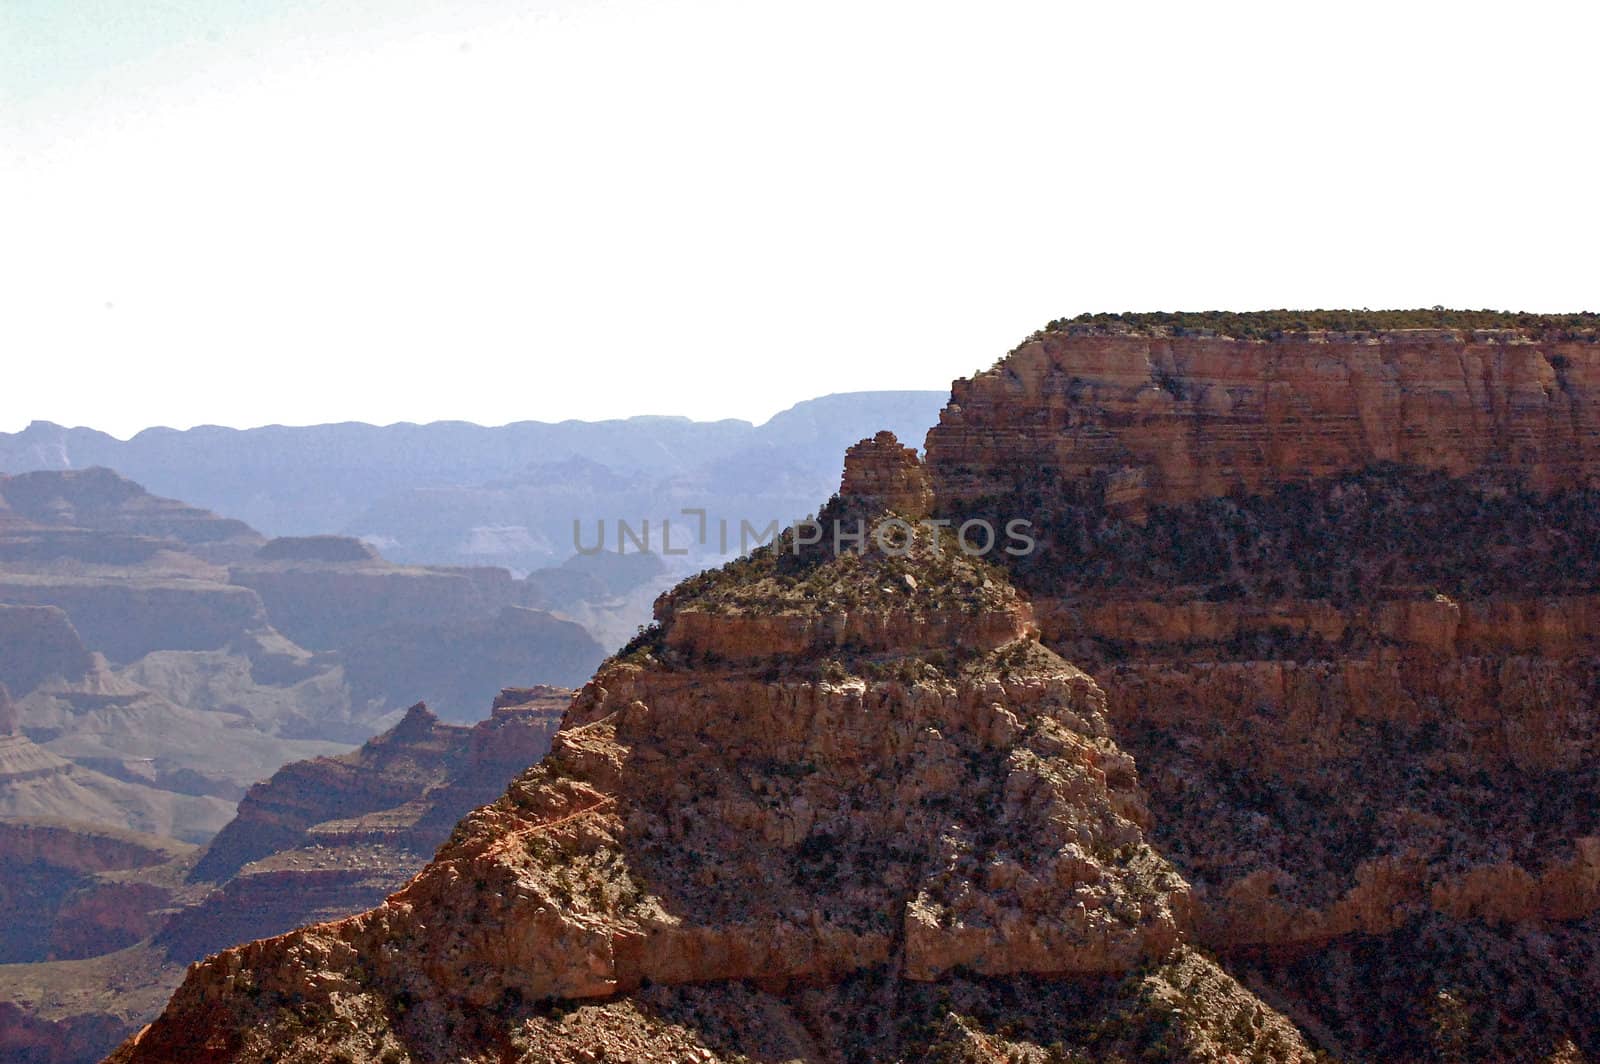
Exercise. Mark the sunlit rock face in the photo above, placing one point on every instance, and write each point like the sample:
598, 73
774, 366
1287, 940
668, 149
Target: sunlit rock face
1303, 670
760, 817
1341, 594
1147, 420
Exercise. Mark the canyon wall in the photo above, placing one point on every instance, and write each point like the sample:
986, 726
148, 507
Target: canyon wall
779, 838
36, 644
1156, 419
1329, 603
116, 917
73, 890
1340, 591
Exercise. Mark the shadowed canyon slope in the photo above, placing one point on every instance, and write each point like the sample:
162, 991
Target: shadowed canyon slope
175, 657
1327, 596
102, 923
1339, 590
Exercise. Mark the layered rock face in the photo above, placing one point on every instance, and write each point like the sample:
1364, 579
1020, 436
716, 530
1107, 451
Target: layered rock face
99, 500
331, 836
722, 850
884, 476
395, 767
36, 783
1148, 420
72, 890
38, 643
1332, 594
108, 920
1340, 592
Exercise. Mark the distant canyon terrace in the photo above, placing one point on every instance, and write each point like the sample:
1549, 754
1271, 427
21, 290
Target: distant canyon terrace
1281, 746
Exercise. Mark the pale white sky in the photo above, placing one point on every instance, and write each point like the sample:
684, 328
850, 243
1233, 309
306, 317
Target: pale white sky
243, 212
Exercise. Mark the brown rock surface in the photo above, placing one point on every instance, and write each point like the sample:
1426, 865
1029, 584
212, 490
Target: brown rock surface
1339, 591
322, 840
1156, 419
1335, 593
79, 890
863, 821
8, 713
882, 475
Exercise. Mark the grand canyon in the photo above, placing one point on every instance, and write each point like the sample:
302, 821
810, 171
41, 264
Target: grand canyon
1276, 743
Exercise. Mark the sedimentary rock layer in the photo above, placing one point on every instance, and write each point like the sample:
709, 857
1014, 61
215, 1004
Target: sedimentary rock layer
1149, 419
816, 818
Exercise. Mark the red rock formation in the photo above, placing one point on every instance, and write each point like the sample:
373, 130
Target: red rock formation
880, 475
937, 809
322, 840
1166, 419
1339, 591
80, 890
1335, 590
328, 837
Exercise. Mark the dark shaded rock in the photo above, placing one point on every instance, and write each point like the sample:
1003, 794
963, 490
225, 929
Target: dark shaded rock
36, 644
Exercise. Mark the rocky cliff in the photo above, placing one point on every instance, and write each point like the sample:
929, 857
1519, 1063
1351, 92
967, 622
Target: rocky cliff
732, 846
106, 921
1329, 592
1339, 591
78, 890
1144, 417
326, 838
38, 643
98, 499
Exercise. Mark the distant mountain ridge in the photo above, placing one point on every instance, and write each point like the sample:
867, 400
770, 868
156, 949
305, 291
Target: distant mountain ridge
365, 479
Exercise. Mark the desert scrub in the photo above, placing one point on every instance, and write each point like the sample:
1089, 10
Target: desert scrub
1270, 324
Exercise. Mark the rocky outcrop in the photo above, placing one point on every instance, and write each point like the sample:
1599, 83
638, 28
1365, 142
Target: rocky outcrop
881, 475
36, 644
1339, 591
418, 753
863, 820
8, 713
100, 500
79, 890
325, 838
1330, 592
134, 910
458, 666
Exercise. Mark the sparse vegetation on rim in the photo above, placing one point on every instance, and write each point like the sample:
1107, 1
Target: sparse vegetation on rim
932, 573
1269, 324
